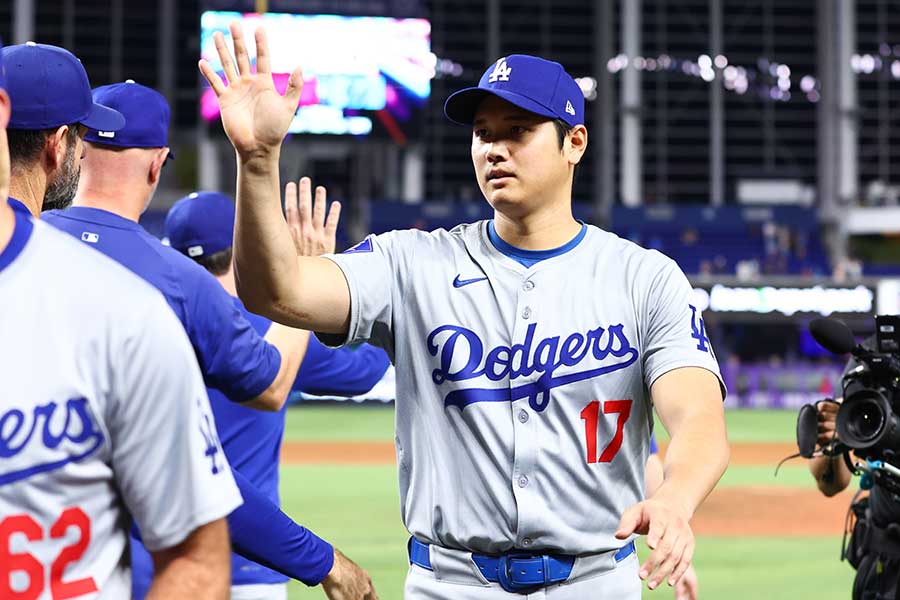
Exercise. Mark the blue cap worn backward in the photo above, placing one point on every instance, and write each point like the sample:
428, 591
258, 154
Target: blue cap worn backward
531, 83
200, 224
146, 115
49, 87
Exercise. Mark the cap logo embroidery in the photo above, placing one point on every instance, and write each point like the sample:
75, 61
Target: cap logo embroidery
194, 251
90, 237
501, 72
569, 108
106, 134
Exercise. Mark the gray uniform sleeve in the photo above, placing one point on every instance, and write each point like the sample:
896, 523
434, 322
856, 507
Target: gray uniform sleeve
373, 277
166, 455
674, 333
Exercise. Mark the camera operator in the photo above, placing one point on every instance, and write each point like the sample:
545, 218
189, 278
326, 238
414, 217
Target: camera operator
874, 549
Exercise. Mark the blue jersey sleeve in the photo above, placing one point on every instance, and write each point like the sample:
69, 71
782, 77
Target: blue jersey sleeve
234, 358
261, 532
340, 372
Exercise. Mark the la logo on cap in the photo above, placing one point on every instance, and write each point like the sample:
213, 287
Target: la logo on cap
501, 72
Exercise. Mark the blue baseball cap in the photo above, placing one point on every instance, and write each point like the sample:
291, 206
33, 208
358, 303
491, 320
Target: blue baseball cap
146, 115
531, 83
200, 224
49, 87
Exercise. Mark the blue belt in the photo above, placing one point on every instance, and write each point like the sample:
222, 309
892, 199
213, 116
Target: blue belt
516, 572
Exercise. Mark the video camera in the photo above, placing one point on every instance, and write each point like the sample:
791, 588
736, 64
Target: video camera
868, 421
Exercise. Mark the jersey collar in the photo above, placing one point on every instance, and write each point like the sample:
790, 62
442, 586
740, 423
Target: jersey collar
97, 216
21, 234
519, 254
17, 205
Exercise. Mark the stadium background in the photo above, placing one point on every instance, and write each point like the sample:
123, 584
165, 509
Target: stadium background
754, 142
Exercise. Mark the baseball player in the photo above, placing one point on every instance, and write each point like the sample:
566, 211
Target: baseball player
120, 173
52, 109
104, 418
529, 349
201, 226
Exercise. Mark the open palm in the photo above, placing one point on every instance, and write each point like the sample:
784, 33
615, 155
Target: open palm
255, 116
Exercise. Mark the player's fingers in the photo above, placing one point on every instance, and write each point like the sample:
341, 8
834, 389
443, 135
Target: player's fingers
629, 522
240, 49
319, 207
262, 51
215, 82
656, 532
290, 204
225, 56
334, 217
683, 565
304, 200
670, 559
657, 557
294, 87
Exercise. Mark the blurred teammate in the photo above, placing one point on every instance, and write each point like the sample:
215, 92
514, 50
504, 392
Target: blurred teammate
120, 174
52, 109
201, 226
104, 417
529, 349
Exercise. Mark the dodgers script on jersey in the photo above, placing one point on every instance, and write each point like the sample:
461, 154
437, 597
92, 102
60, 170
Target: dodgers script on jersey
523, 414
103, 414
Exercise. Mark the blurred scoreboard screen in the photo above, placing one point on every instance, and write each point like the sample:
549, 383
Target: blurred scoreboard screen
362, 76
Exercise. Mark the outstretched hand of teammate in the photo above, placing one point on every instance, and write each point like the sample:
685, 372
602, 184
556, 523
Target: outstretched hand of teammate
313, 232
669, 537
347, 581
255, 116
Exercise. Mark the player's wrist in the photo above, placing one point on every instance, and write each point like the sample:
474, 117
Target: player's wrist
259, 160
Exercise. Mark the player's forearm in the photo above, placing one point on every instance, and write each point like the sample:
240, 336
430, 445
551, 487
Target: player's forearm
696, 459
265, 260
832, 475
197, 569
291, 344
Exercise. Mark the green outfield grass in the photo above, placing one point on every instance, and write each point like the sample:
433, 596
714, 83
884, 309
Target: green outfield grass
357, 509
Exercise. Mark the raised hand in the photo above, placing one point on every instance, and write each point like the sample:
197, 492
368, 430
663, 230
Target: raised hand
669, 537
255, 116
313, 233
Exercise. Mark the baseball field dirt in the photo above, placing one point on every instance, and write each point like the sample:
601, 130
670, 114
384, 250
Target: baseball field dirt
734, 510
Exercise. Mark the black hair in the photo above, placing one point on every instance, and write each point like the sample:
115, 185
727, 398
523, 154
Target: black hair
218, 263
562, 130
25, 145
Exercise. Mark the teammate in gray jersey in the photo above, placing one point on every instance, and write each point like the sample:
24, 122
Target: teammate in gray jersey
530, 349
103, 416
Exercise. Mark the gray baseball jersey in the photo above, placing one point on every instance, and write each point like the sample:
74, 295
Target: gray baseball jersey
523, 415
103, 415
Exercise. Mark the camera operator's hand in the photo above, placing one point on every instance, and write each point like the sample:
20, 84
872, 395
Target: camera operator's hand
827, 416
831, 474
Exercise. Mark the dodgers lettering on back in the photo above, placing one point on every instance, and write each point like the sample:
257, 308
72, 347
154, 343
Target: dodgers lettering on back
523, 412
101, 416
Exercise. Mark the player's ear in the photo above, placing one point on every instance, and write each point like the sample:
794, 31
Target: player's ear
55, 148
5, 109
576, 144
159, 160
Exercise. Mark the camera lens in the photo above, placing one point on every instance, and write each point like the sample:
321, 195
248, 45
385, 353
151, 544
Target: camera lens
865, 420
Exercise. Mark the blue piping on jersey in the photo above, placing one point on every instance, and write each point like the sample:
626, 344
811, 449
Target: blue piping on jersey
20, 236
529, 258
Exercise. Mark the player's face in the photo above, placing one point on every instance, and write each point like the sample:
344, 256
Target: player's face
517, 159
62, 187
